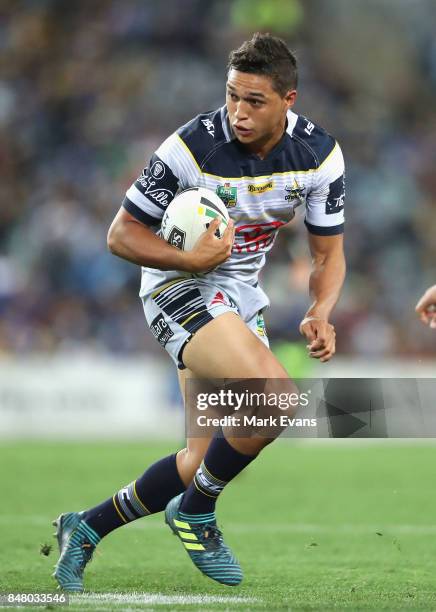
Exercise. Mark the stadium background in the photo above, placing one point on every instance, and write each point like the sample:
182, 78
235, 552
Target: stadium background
87, 92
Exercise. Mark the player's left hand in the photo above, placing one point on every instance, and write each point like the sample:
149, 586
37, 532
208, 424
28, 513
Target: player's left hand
322, 337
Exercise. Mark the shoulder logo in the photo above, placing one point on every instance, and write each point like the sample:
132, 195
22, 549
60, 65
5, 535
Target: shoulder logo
260, 188
228, 194
309, 128
149, 181
157, 170
208, 124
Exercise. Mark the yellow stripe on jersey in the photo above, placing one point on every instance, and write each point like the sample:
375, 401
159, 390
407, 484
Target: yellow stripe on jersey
251, 178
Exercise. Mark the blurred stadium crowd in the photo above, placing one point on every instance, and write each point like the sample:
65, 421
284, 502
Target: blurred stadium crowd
89, 89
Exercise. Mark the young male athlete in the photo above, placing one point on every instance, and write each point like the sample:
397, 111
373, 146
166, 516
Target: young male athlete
262, 159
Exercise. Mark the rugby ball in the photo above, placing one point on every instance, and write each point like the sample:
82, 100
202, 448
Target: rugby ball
190, 214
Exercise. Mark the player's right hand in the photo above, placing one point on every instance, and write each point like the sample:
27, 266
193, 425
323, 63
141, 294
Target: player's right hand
210, 251
426, 307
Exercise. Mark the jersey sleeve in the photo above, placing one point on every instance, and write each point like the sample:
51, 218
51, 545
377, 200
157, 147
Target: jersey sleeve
325, 200
170, 169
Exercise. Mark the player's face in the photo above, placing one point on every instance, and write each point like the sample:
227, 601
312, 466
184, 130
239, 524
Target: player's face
257, 112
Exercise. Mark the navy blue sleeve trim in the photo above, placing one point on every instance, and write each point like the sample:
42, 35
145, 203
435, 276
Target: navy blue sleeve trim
139, 214
325, 231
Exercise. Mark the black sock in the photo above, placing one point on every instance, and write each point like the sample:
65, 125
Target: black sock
220, 465
147, 494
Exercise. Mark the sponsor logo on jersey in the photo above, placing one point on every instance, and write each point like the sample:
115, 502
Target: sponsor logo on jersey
228, 194
335, 198
177, 237
149, 183
157, 170
260, 188
255, 237
161, 330
295, 192
209, 127
309, 128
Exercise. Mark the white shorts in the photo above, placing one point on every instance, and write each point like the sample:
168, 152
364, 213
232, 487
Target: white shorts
178, 308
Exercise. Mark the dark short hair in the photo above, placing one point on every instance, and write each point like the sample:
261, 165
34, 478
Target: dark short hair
267, 55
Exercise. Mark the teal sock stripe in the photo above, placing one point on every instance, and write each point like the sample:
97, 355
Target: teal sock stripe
198, 518
88, 532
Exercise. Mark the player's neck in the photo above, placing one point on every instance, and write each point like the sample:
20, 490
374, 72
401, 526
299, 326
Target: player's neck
262, 148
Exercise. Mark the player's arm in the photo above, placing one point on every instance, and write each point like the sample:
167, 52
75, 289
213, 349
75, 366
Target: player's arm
132, 234
130, 239
426, 307
326, 280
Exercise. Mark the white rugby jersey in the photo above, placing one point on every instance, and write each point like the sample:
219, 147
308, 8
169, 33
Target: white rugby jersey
305, 167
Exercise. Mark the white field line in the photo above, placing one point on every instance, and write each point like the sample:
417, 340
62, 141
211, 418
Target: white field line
310, 528
157, 598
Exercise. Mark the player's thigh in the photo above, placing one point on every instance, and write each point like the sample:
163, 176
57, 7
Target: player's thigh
227, 348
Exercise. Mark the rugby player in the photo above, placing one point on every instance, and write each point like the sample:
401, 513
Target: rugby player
263, 160
426, 307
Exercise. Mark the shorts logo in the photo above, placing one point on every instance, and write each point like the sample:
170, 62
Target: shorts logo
161, 330
261, 188
335, 198
227, 194
220, 298
177, 237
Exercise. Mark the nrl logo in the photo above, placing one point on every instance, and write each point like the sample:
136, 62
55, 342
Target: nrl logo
227, 194
295, 192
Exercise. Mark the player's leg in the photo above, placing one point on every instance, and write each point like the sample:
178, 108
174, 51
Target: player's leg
190, 457
79, 533
237, 353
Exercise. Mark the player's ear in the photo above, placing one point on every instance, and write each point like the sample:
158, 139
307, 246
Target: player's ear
290, 98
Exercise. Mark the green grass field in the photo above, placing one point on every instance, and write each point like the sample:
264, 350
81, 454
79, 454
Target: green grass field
315, 526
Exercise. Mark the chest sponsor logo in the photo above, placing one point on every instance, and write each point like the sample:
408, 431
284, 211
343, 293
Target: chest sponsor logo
228, 194
161, 330
255, 237
257, 189
335, 198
